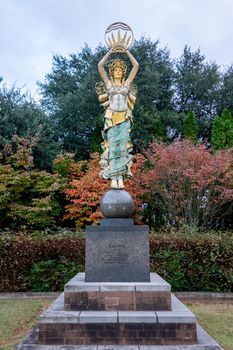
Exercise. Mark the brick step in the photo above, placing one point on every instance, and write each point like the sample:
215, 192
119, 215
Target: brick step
117, 296
57, 326
204, 342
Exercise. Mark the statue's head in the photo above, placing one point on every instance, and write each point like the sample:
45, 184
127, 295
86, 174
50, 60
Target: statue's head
117, 69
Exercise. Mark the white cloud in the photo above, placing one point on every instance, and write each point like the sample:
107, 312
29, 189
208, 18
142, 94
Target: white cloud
31, 31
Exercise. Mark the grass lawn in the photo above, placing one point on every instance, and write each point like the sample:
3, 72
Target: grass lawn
217, 320
18, 316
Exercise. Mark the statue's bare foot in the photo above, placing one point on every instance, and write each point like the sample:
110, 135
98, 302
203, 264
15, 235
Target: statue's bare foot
121, 184
114, 184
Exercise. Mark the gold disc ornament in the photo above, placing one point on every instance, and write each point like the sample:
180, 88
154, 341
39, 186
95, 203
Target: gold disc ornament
119, 36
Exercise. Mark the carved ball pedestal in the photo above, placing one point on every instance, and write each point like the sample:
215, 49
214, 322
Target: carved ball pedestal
117, 204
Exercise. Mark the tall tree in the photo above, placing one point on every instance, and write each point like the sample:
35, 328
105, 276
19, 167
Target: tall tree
70, 99
227, 90
21, 115
155, 80
197, 88
190, 127
222, 131
155, 77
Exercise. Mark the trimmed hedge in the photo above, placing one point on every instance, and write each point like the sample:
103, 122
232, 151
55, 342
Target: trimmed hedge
19, 256
189, 263
194, 263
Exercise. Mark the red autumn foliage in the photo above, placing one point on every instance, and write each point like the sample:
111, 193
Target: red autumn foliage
188, 184
87, 188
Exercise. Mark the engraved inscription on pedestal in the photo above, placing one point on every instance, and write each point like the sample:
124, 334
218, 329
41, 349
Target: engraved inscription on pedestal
117, 253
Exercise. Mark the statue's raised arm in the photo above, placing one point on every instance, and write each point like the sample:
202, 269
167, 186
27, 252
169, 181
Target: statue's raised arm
102, 71
104, 74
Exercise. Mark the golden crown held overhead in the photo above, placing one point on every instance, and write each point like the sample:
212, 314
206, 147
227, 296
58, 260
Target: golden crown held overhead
119, 36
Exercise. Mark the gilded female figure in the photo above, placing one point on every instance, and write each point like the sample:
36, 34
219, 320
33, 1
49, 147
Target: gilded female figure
118, 99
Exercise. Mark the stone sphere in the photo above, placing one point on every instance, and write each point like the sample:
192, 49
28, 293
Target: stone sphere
117, 204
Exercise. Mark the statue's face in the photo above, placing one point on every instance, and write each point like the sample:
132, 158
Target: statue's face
118, 73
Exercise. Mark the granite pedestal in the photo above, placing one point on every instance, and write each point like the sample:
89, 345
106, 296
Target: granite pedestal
117, 251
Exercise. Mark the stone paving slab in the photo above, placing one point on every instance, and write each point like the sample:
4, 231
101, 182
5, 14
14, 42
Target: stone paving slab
98, 317
178, 306
55, 313
137, 317
118, 347
175, 317
57, 305
78, 284
60, 317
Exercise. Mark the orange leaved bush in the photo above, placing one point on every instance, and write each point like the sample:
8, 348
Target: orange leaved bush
87, 188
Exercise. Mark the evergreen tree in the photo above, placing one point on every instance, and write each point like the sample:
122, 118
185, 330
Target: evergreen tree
190, 127
197, 86
148, 127
70, 99
21, 115
227, 90
222, 131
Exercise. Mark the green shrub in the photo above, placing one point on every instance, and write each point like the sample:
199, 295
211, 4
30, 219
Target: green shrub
172, 272
51, 275
28, 197
222, 131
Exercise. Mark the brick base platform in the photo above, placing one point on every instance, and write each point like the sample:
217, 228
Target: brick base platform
86, 329
117, 327
153, 295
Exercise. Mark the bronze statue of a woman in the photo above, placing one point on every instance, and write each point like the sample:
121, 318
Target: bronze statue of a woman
117, 95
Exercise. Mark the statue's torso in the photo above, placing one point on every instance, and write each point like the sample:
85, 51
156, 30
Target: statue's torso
118, 97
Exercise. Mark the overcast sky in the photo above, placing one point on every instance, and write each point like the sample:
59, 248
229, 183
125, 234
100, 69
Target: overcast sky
31, 31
